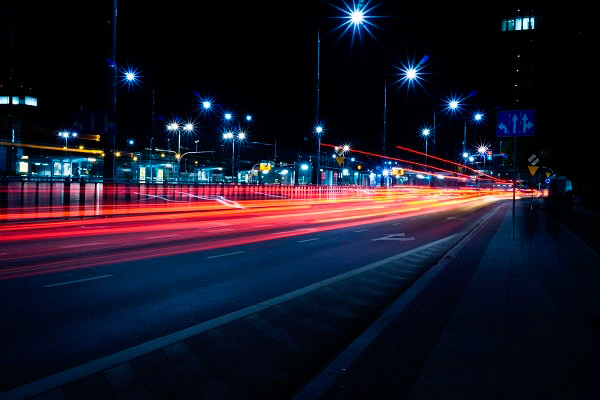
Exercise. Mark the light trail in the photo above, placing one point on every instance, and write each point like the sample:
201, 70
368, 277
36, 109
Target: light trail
94, 242
423, 172
453, 163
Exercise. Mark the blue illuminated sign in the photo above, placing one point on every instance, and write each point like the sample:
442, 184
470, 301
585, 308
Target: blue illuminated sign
515, 123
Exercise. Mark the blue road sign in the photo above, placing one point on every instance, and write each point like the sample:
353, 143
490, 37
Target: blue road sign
515, 123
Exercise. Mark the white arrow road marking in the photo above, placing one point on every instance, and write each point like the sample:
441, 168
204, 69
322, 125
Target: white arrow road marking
396, 236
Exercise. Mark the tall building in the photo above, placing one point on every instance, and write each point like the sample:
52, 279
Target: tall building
545, 62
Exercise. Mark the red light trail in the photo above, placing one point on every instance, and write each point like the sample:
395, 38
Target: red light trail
35, 248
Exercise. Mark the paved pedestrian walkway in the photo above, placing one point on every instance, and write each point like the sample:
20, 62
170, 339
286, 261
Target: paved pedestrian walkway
516, 319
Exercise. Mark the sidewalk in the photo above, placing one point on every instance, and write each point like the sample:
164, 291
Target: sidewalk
526, 324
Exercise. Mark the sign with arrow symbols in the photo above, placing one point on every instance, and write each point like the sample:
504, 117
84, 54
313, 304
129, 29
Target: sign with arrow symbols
515, 123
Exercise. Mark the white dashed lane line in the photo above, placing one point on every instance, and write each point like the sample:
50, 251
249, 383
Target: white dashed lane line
307, 240
76, 281
226, 254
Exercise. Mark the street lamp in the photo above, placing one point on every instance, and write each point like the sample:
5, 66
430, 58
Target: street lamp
319, 132
356, 18
66, 135
175, 127
425, 134
229, 135
482, 150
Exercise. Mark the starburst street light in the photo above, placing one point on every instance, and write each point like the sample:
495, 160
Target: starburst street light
411, 73
130, 77
356, 17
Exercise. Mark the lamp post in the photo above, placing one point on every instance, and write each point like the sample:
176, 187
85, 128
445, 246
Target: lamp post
482, 150
66, 135
356, 18
230, 135
175, 127
425, 134
318, 131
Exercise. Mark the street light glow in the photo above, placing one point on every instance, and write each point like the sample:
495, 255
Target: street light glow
206, 104
130, 77
319, 129
426, 132
188, 127
242, 135
357, 17
411, 72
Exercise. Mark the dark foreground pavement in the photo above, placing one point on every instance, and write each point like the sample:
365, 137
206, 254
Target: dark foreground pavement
498, 313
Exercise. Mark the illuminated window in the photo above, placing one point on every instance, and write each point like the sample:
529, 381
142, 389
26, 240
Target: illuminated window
16, 100
30, 101
521, 23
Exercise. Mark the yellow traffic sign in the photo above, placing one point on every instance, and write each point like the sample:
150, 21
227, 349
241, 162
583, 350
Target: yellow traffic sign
340, 160
532, 169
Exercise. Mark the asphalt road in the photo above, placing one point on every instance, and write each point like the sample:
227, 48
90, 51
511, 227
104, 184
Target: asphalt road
60, 318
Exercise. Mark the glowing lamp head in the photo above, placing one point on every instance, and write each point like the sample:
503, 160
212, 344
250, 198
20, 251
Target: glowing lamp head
188, 127
228, 116
411, 73
482, 149
357, 17
453, 104
465, 155
228, 135
242, 135
478, 117
426, 132
319, 129
206, 105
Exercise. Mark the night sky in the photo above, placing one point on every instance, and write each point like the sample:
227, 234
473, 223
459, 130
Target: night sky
261, 58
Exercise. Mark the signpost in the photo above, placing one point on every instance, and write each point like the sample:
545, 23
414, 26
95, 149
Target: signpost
515, 123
